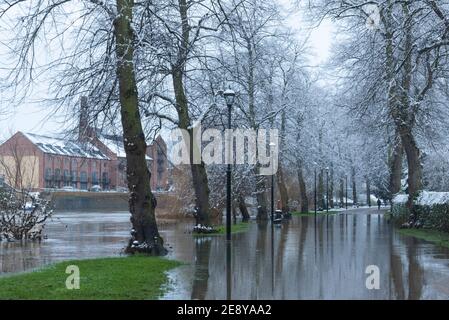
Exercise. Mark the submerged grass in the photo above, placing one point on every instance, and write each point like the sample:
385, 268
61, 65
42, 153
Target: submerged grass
312, 213
437, 237
136, 278
221, 229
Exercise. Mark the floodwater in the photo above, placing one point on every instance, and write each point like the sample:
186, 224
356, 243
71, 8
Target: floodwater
304, 258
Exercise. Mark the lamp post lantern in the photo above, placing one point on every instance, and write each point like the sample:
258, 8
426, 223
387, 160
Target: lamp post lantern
229, 96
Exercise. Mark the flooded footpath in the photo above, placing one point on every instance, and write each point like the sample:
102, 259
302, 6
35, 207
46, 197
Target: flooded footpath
304, 258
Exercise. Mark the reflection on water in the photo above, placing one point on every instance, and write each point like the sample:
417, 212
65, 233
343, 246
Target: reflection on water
308, 258
70, 236
305, 258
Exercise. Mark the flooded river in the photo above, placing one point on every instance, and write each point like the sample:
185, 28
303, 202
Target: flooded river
304, 258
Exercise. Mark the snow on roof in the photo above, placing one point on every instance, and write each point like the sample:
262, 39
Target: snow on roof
51, 145
426, 198
115, 144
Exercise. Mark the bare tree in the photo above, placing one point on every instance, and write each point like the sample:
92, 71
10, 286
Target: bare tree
23, 213
99, 61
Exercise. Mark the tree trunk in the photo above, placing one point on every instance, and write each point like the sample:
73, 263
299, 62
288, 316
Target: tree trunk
302, 191
342, 192
280, 174
395, 161
331, 188
201, 188
198, 171
262, 213
243, 209
354, 187
368, 192
405, 120
199, 174
321, 200
145, 235
282, 189
414, 165
395, 168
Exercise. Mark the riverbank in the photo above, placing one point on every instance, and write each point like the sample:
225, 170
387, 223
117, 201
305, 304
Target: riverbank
129, 278
312, 213
437, 237
168, 205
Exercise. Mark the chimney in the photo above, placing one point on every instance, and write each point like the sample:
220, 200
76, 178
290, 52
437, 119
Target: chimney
83, 127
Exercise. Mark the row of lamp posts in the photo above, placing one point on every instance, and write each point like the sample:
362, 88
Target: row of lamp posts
327, 191
229, 96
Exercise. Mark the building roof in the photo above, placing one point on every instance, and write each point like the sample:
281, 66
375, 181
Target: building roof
63, 147
115, 144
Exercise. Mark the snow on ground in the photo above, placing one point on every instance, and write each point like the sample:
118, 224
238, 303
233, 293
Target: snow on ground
426, 198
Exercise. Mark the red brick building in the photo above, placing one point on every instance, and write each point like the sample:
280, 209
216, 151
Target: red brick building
112, 146
40, 162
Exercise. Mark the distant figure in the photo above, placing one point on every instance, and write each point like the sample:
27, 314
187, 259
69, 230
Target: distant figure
153, 202
379, 203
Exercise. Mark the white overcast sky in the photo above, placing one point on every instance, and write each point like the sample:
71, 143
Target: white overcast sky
32, 115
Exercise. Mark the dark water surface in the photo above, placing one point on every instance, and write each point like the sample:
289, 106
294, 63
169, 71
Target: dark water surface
305, 258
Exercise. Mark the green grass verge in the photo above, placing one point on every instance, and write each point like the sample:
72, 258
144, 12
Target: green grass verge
312, 213
437, 237
221, 229
137, 277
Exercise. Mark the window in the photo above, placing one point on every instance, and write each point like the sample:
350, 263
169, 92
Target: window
57, 178
83, 180
48, 178
66, 178
74, 177
105, 181
94, 178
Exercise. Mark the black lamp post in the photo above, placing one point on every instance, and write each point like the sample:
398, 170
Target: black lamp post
327, 190
346, 177
229, 96
272, 145
315, 191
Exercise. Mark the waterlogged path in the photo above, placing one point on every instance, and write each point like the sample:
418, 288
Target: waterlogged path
305, 258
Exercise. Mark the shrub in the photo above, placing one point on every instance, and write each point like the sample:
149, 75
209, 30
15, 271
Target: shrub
435, 216
22, 215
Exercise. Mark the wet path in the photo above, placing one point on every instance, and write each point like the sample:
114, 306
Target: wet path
305, 258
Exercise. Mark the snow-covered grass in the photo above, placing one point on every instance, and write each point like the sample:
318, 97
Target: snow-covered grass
426, 198
431, 211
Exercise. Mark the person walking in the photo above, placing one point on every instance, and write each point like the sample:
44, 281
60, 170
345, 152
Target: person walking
379, 203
